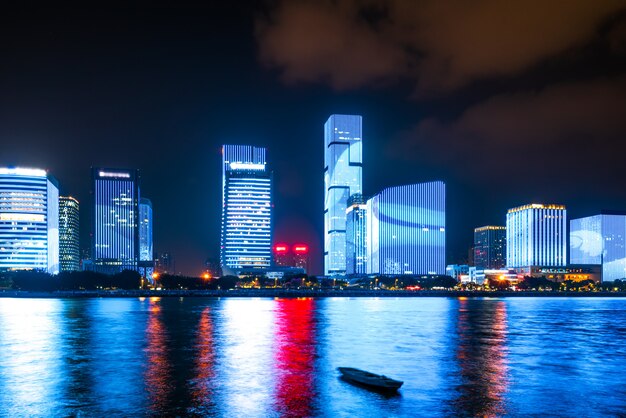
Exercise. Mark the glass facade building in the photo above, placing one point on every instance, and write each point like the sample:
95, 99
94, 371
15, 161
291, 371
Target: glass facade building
246, 239
406, 232
490, 247
600, 239
69, 236
343, 160
356, 235
115, 219
536, 236
29, 220
145, 230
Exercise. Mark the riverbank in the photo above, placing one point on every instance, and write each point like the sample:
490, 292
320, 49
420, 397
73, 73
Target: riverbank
282, 293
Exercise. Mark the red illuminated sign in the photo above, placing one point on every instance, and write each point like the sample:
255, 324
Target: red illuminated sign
301, 249
281, 248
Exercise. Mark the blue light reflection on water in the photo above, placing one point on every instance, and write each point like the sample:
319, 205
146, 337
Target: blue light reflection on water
278, 357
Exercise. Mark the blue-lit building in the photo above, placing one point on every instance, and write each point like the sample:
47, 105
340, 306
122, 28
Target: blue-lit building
356, 235
246, 239
600, 239
490, 247
115, 220
145, 230
536, 235
29, 220
69, 234
343, 160
146, 249
406, 231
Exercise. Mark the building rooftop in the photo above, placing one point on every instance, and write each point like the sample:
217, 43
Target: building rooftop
536, 206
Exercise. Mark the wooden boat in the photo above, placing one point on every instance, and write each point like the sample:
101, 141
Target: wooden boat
375, 381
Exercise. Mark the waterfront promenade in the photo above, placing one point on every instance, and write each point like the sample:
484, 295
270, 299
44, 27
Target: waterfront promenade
286, 293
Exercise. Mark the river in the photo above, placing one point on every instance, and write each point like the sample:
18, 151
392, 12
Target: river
248, 357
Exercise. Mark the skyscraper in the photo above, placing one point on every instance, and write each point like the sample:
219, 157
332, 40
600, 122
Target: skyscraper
490, 247
29, 220
406, 230
115, 219
301, 257
536, 236
69, 236
600, 239
145, 230
343, 160
246, 241
356, 235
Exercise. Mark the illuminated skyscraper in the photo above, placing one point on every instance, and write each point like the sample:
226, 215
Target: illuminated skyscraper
406, 230
343, 160
301, 257
536, 236
490, 247
246, 241
29, 220
115, 219
69, 237
356, 235
282, 255
145, 230
600, 239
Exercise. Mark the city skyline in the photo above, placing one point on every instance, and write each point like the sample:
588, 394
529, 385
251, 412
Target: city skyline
541, 125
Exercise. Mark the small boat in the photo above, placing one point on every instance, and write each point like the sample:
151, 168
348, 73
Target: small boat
375, 381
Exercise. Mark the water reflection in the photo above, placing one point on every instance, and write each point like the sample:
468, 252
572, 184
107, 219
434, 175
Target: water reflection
32, 369
482, 358
158, 379
76, 326
246, 357
266, 357
116, 360
294, 354
203, 383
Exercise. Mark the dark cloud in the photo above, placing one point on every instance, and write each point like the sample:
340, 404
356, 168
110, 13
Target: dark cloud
439, 45
526, 127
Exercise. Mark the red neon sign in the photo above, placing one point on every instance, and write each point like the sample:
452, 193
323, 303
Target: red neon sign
301, 249
281, 248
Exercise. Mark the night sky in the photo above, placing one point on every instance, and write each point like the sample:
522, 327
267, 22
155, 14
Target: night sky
507, 102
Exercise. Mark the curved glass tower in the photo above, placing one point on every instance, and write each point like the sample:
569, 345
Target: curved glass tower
406, 231
246, 241
29, 220
343, 161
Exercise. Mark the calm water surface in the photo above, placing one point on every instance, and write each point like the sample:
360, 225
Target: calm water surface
278, 357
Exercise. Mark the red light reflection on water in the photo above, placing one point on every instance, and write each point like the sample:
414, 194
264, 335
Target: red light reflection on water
158, 371
481, 355
294, 356
204, 361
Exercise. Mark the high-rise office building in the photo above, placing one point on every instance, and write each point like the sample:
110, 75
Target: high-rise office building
115, 219
145, 230
600, 239
165, 263
343, 160
536, 236
282, 255
69, 234
146, 249
356, 235
246, 240
490, 247
301, 257
29, 220
406, 230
